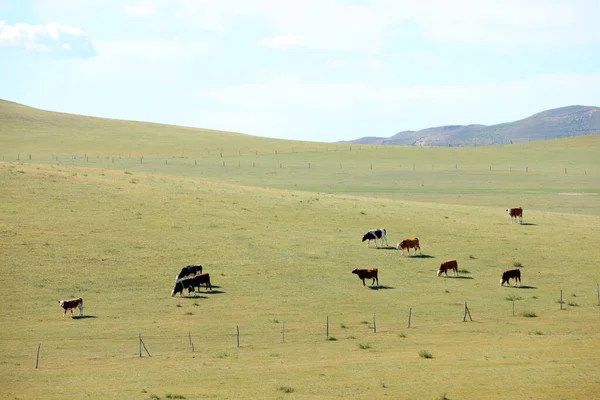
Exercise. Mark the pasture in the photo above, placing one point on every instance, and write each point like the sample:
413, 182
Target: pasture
280, 242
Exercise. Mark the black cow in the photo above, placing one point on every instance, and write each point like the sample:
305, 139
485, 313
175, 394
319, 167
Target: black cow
193, 269
191, 283
375, 234
511, 273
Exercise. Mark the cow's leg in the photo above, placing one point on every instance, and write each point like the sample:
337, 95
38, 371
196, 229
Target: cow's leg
364, 282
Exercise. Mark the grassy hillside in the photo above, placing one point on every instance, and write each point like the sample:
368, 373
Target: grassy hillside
277, 225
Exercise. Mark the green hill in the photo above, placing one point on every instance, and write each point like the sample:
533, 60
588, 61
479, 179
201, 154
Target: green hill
550, 124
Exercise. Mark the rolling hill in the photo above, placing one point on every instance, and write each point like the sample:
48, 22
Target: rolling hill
549, 124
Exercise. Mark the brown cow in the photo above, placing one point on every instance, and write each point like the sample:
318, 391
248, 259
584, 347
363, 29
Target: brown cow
71, 304
367, 274
515, 213
511, 273
448, 265
412, 243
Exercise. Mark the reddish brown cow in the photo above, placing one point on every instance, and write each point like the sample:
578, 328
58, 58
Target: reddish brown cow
367, 274
511, 273
412, 243
515, 213
71, 304
448, 265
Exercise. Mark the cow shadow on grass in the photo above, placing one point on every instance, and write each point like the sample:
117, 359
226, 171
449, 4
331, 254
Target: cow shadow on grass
528, 224
524, 287
459, 277
381, 287
421, 256
386, 248
83, 316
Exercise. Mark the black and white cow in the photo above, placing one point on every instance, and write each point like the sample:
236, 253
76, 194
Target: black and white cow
375, 234
194, 269
191, 283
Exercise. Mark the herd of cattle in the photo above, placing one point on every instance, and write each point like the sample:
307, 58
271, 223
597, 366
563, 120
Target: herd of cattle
448, 265
191, 277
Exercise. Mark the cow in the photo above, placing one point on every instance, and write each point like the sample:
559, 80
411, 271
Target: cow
412, 243
191, 283
367, 274
375, 234
511, 273
515, 213
193, 269
448, 265
71, 304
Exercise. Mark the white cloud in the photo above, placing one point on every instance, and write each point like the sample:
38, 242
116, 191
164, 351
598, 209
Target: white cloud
140, 10
281, 42
47, 38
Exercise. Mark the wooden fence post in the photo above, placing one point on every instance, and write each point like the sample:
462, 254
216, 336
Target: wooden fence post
37, 356
374, 324
283, 332
327, 326
238, 335
409, 315
140, 339
561, 301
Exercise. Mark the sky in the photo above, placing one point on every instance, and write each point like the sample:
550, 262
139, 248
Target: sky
314, 70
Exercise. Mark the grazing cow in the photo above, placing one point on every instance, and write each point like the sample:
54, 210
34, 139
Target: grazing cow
408, 244
367, 274
448, 265
511, 273
193, 269
71, 304
191, 283
515, 213
375, 234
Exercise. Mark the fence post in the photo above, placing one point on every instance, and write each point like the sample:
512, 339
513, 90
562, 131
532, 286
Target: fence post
283, 332
238, 335
374, 324
409, 315
37, 356
140, 338
561, 301
327, 326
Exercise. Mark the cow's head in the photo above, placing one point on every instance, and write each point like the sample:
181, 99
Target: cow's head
366, 236
177, 289
355, 271
61, 302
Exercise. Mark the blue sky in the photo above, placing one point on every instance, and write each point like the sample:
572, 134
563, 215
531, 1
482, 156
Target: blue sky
318, 70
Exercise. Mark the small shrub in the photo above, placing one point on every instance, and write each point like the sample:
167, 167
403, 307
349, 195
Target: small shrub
425, 354
443, 397
364, 346
222, 355
517, 264
573, 295
401, 334
287, 389
331, 338
529, 314
365, 322
573, 304
538, 333
179, 305
534, 297
154, 397
343, 326
513, 298
197, 304
174, 396
189, 313
275, 321
472, 257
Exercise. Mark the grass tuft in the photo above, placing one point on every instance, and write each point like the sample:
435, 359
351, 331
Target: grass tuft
331, 338
401, 334
174, 396
364, 346
425, 354
287, 389
517, 264
529, 314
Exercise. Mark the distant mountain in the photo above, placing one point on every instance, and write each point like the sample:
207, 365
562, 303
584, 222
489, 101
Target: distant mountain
550, 124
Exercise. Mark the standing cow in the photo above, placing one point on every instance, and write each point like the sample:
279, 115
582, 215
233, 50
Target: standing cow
516, 212
71, 304
412, 243
511, 274
375, 234
448, 265
191, 283
193, 269
367, 274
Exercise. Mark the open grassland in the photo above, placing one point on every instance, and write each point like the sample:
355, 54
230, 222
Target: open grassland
111, 210
118, 237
